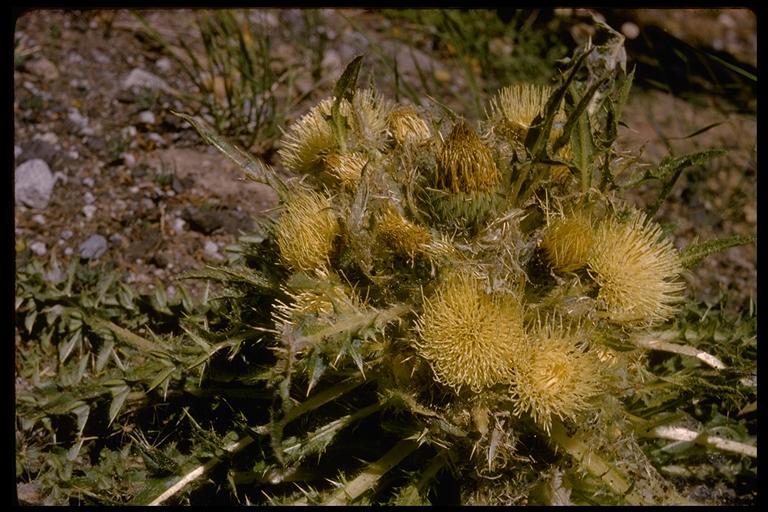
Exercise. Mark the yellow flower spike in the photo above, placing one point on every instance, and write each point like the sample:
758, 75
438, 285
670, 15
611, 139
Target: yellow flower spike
465, 164
554, 375
402, 235
470, 338
305, 231
567, 241
514, 108
638, 271
347, 167
407, 127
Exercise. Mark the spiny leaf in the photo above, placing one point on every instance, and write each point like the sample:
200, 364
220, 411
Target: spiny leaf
695, 252
669, 171
574, 116
119, 394
538, 134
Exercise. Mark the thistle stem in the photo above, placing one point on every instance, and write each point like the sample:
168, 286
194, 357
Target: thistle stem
372, 473
664, 346
684, 434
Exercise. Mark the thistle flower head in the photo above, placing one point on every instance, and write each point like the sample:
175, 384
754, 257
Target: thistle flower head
309, 139
469, 337
305, 231
514, 108
555, 375
567, 241
400, 234
346, 167
464, 163
407, 127
637, 270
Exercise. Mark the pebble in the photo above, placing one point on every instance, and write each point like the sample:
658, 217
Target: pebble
211, 249
37, 148
88, 198
43, 68
73, 154
141, 78
56, 275
128, 159
89, 210
38, 248
33, 183
134, 189
39, 218
147, 117
68, 251
17, 151
77, 119
88, 181
163, 64
93, 248
178, 225
99, 57
48, 137
66, 234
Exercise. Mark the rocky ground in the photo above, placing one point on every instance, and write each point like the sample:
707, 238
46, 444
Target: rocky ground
105, 173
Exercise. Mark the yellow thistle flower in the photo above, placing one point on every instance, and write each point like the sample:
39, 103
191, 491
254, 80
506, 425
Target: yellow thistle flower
470, 338
305, 231
407, 127
554, 375
514, 108
346, 167
465, 164
637, 270
567, 241
371, 121
402, 235
309, 139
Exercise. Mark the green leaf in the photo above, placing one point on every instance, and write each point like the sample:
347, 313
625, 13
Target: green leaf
670, 169
538, 134
583, 148
119, 395
574, 116
65, 349
345, 86
161, 377
695, 252
81, 413
103, 356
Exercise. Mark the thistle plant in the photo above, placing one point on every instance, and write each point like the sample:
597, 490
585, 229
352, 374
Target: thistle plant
454, 300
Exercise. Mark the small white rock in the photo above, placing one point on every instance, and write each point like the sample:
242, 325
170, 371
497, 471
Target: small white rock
77, 118
49, 137
88, 197
178, 225
88, 181
17, 151
129, 159
38, 248
68, 251
211, 248
39, 218
33, 183
89, 210
630, 30
140, 78
67, 234
73, 154
147, 117
163, 64
134, 189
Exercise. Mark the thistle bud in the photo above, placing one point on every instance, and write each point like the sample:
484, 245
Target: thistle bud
469, 337
567, 241
407, 127
305, 231
347, 167
402, 235
636, 269
465, 164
